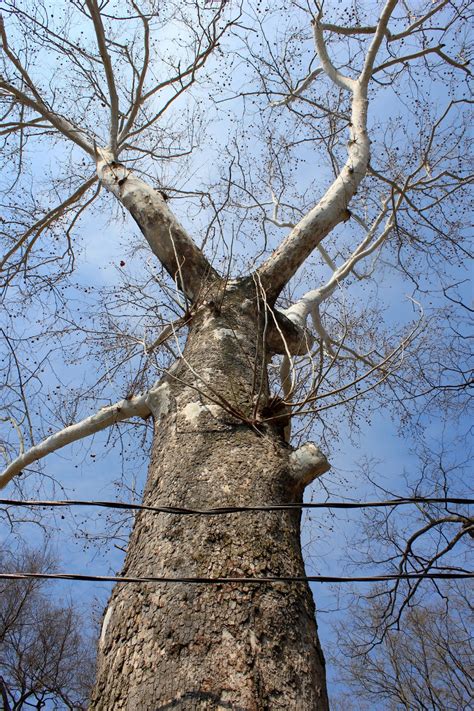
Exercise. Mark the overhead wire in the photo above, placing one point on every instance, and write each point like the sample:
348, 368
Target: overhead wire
221, 510
239, 580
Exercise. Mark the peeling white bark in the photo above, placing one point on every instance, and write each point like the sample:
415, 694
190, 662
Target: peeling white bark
221, 333
105, 624
158, 400
193, 411
307, 463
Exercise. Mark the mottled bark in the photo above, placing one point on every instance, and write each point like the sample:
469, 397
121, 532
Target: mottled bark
167, 238
181, 646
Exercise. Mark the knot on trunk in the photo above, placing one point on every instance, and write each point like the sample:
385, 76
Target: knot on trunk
158, 400
307, 463
284, 336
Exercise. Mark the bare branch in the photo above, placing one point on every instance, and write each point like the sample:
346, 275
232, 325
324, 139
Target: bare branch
41, 225
138, 406
332, 208
422, 53
299, 311
63, 125
376, 41
327, 66
298, 90
419, 22
109, 72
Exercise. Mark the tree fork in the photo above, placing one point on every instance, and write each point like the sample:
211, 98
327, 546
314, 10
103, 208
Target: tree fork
247, 647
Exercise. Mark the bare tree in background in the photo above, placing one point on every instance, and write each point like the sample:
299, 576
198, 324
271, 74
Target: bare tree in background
426, 663
209, 337
426, 537
408, 644
45, 657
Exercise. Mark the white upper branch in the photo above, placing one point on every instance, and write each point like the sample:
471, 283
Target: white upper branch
377, 41
309, 303
332, 208
336, 76
372, 29
138, 406
167, 238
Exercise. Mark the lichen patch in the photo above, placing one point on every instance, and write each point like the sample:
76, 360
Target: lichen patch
192, 412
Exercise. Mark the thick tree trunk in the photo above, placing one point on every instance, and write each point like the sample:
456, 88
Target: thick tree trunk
243, 647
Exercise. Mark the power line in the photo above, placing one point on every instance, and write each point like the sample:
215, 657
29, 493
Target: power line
240, 580
221, 510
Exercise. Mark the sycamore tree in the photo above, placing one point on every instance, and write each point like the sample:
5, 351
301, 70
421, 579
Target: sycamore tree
292, 171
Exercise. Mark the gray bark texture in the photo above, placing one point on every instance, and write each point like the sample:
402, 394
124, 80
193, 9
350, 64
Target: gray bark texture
245, 647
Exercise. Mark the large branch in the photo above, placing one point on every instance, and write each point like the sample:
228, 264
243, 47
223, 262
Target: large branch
310, 302
333, 207
168, 239
138, 406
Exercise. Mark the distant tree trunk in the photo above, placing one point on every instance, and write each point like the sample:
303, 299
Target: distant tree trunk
243, 647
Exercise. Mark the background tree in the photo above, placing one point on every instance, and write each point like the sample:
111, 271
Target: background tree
208, 336
425, 663
408, 642
45, 658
